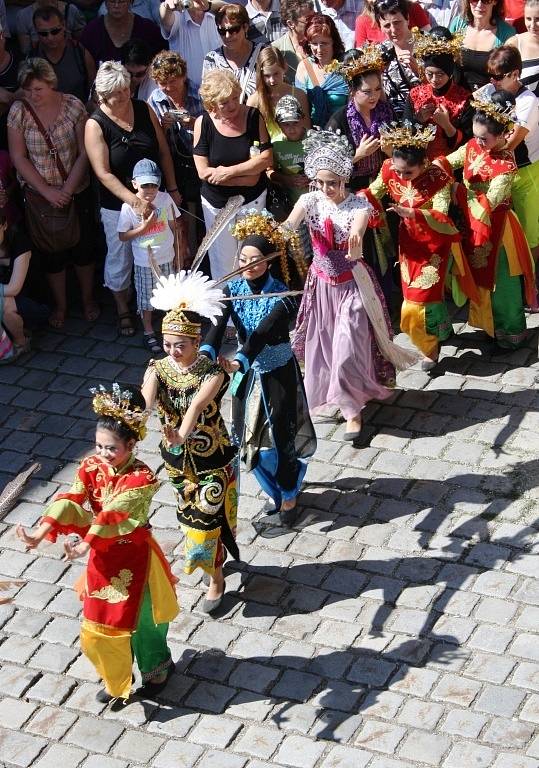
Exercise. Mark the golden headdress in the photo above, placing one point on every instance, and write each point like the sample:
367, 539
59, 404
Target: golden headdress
407, 134
427, 44
368, 58
117, 404
286, 241
504, 115
186, 292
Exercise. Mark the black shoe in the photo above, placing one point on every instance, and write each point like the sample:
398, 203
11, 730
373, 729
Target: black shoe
288, 516
352, 436
103, 697
150, 689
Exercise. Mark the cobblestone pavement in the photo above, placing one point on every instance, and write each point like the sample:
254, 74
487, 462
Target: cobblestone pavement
392, 627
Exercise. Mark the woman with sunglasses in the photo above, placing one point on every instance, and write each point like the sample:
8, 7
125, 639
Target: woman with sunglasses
237, 54
402, 70
344, 367
482, 22
439, 101
316, 74
505, 67
528, 46
493, 239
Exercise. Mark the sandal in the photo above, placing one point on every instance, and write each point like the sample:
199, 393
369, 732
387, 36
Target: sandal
125, 324
151, 343
92, 312
57, 319
18, 351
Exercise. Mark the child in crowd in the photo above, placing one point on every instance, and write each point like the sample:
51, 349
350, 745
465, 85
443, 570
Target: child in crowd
157, 237
127, 589
288, 153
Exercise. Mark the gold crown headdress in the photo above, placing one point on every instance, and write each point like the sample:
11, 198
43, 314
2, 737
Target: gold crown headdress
286, 241
117, 404
407, 134
504, 115
368, 58
186, 291
426, 44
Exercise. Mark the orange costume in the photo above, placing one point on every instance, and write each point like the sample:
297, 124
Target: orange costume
127, 589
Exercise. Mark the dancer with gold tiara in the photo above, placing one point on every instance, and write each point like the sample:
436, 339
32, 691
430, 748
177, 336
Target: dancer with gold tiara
428, 239
494, 242
269, 408
343, 330
127, 589
187, 388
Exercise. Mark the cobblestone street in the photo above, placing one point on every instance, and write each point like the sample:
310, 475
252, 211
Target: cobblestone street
394, 626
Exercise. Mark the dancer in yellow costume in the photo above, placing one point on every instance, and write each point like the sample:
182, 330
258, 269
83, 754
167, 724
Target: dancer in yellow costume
127, 589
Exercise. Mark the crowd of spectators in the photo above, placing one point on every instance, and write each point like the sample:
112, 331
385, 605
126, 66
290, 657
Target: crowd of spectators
219, 97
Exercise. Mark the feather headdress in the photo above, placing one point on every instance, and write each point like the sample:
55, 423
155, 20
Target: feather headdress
191, 292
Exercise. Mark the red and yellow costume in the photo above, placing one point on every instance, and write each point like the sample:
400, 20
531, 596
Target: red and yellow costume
456, 100
428, 247
494, 242
127, 590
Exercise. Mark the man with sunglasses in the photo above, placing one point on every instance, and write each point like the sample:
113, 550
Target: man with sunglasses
72, 64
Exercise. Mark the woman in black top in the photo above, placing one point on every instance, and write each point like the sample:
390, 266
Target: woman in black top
232, 152
121, 132
15, 253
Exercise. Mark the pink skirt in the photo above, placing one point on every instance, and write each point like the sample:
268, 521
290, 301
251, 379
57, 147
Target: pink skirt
339, 350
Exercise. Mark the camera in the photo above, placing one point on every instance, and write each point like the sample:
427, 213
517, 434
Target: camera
181, 115
185, 4
388, 51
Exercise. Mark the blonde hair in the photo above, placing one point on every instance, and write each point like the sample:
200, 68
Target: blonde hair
36, 69
111, 76
268, 57
218, 86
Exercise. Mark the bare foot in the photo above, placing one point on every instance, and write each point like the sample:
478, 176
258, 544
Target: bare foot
286, 506
91, 312
217, 585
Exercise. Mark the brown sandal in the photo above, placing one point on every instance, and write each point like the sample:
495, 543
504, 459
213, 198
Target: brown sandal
125, 324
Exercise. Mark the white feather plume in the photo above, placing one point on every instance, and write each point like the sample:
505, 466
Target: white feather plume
193, 291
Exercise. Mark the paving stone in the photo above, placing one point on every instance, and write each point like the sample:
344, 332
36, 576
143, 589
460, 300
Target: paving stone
495, 584
83, 699
51, 689
294, 717
215, 731
530, 710
15, 681
384, 704
18, 649
61, 755
20, 749
299, 752
526, 646
508, 733
420, 714
456, 690
413, 680
99, 733
296, 685
54, 658
526, 675
98, 761
499, 700
253, 677
14, 713
462, 722
210, 697
258, 741
27, 623
217, 759
346, 757
370, 671
492, 669
469, 754
250, 706
137, 746
51, 723
172, 721
425, 747
61, 630
381, 737
491, 638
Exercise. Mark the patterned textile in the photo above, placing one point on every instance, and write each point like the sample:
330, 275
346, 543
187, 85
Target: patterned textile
62, 135
145, 282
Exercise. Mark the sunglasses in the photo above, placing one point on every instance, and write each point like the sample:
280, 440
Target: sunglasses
497, 78
52, 32
224, 31
484, 2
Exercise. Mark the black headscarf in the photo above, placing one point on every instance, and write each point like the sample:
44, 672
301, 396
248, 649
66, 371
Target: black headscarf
443, 61
261, 243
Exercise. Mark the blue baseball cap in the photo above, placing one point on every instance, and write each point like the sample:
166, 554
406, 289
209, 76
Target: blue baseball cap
147, 172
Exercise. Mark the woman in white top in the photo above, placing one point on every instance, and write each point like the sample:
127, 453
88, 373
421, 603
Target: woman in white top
528, 46
505, 66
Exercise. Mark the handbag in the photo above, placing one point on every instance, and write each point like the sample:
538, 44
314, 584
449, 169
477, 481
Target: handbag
51, 229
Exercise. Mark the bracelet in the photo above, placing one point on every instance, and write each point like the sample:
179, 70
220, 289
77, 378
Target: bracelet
172, 190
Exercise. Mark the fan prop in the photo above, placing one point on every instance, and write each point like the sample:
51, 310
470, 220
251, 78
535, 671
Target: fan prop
219, 223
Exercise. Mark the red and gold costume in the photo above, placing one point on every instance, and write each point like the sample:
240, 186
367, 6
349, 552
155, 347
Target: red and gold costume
428, 244
494, 242
456, 101
127, 590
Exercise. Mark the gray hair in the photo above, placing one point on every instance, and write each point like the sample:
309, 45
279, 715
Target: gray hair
36, 69
111, 76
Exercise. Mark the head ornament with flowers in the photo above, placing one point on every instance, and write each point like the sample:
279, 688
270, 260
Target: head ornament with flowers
185, 292
117, 403
407, 134
427, 44
504, 114
368, 58
327, 150
284, 241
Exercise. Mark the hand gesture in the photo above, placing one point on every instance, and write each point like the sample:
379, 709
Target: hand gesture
355, 247
230, 366
404, 213
168, 120
441, 116
147, 221
219, 175
57, 197
425, 112
30, 540
172, 436
141, 207
367, 146
72, 551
